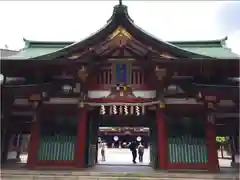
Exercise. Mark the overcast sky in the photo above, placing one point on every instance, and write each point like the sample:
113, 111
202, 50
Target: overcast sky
74, 20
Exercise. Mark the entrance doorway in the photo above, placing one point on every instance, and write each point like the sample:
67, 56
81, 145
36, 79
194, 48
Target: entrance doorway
115, 132
114, 143
227, 142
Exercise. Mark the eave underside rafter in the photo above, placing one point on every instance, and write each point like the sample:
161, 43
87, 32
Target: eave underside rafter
119, 40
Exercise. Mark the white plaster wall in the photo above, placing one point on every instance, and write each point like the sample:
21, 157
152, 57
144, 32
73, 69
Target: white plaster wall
141, 94
98, 94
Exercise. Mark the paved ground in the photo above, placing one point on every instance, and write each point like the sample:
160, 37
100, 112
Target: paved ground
122, 157
103, 172
120, 167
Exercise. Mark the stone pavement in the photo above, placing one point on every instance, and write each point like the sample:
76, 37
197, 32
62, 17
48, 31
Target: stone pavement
108, 175
122, 157
117, 166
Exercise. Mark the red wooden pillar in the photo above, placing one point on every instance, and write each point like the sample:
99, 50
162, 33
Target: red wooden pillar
211, 146
81, 138
162, 139
33, 144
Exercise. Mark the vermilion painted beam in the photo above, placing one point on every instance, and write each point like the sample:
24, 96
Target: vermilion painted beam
123, 100
108, 86
162, 139
81, 138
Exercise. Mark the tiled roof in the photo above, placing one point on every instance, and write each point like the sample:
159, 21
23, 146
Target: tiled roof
211, 48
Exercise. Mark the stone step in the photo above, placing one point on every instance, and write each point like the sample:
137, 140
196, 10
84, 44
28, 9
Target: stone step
41, 177
83, 175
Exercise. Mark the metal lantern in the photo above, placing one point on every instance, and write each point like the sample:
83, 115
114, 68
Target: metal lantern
115, 138
139, 138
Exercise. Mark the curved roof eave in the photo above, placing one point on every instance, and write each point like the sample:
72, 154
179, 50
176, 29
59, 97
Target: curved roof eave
209, 41
120, 17
158, 42
219, 42
101, 34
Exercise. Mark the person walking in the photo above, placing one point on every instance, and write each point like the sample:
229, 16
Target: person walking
103, 151
140, 152
133, 147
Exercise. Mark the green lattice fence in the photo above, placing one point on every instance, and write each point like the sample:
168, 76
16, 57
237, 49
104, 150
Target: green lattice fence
187, 150
56, 147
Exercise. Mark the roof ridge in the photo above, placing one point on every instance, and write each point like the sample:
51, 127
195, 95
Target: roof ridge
200, 41
169, 41
46, 41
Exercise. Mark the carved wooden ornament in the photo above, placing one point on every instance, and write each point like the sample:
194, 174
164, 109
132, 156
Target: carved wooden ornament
120, 31
166, 55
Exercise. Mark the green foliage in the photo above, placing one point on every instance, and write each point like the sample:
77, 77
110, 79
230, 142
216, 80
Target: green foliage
221, 139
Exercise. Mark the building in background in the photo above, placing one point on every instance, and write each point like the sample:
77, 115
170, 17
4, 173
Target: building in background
120, 137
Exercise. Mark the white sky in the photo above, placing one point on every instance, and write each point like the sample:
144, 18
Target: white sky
74, 20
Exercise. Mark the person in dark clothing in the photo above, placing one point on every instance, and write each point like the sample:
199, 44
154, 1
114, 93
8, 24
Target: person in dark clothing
133, 147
